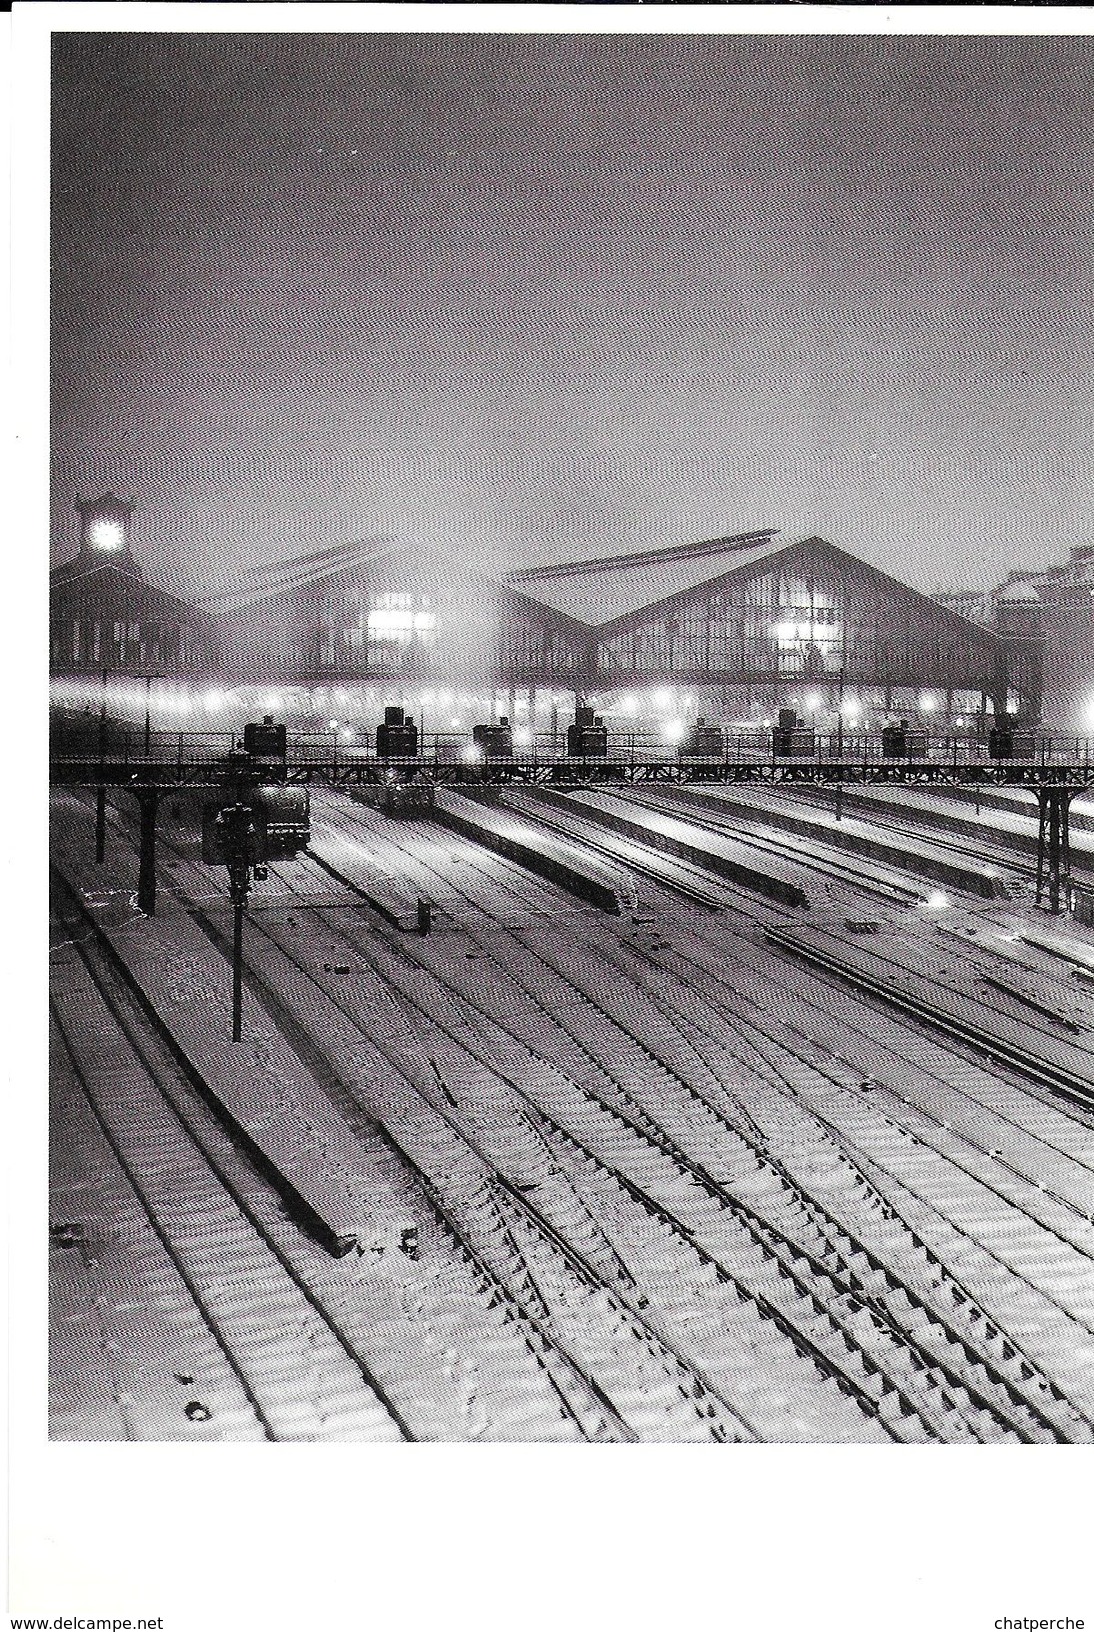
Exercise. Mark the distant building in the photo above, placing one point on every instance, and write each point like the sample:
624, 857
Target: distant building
1067, 627
974, 604
1044, 619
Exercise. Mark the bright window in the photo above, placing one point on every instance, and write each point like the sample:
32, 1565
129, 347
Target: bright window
400, 618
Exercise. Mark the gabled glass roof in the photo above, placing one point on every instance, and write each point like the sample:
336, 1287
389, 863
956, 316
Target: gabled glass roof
598, 592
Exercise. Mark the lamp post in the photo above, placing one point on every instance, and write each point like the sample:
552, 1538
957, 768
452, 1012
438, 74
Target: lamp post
102, 717
100, 792
148, 679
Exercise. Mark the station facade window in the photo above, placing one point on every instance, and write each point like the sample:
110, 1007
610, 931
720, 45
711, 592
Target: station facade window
397, 627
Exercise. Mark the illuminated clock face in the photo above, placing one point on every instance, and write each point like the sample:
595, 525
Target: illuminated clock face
107, 534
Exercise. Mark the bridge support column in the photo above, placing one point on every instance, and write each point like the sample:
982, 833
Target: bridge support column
149, 800
100, 823
1053, 845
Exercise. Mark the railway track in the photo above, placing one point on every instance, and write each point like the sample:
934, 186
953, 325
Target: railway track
1010, 1199
851, 1018
689, 1403
132, 1352
816, 1018
500, 894
802, 1344
996, 854
664, 1026
619, 1201
804, 1077
864, 878
678, 1154
842, 1073
668, 872
1067, 1077
356, 1321
182, 1168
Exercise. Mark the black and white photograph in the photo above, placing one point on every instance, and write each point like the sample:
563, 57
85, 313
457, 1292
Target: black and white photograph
570, 743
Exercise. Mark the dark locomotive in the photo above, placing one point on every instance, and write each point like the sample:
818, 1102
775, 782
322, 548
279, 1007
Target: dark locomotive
792, 738
587, 738
903, 741
1010, 741
494, 741
409, 793
397, 738
702, 741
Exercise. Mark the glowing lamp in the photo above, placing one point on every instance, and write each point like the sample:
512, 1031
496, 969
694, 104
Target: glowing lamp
104, 525
107, 534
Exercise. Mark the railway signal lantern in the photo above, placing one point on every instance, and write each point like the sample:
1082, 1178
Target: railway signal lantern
238, 844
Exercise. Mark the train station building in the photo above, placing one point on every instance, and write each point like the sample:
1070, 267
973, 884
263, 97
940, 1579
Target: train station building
733, 628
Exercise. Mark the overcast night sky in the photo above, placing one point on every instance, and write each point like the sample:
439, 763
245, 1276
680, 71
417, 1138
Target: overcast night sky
534, 297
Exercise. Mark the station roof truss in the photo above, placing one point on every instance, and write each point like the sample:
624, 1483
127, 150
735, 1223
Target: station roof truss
618, 593
269, 587
116, 590
604, 592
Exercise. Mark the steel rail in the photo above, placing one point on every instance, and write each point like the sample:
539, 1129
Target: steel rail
1022, 1060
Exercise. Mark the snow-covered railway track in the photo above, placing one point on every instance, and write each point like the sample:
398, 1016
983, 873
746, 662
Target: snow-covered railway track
1023, 1420
589, 1121
197, 1194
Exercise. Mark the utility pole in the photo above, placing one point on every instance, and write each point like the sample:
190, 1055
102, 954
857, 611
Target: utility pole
148, 798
